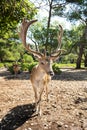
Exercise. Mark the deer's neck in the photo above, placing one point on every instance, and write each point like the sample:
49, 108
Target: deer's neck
38, 74
40, 70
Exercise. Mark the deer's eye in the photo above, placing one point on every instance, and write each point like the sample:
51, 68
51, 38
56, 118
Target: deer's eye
42, 63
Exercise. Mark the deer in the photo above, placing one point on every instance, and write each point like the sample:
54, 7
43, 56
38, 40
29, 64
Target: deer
42, 73
16, 68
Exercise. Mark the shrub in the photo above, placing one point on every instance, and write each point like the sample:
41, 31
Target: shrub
27, 58
8, 64
31, 66
27, 66
24, 66
56, 68
10, 68
1, 65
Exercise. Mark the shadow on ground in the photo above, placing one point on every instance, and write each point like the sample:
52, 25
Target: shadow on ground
80, 100
17, 116
67, 74
71, 75
22, 76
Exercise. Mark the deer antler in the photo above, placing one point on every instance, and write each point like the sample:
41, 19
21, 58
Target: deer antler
60, 36
58, 50
22, 34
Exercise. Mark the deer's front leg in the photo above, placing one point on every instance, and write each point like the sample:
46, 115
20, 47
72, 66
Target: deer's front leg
39, 99
47, 93
41, 91
46, 87
35, 94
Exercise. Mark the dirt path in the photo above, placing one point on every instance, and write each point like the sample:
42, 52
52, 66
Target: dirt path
65, 110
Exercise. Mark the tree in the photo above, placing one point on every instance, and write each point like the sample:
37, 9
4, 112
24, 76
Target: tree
11, 13
50, 5
77, 12
80, 14
14, 11
39, 35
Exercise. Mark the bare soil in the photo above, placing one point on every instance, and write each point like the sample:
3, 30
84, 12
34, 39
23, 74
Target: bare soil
65, 110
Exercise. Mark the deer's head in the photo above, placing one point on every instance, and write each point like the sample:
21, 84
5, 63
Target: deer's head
45, 62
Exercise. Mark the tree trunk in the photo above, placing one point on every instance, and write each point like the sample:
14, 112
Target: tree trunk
83, 44
78, 63
85, 61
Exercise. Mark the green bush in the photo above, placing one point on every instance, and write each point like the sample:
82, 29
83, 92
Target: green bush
31, 66
8, 64
10, 68
56, 68
1, 65
70, 58
27, 66
27, 58
24, 66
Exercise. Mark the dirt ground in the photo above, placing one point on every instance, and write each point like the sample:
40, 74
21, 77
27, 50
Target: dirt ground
65, 110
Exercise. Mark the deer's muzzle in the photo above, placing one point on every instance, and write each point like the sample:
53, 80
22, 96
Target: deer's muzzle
51, 73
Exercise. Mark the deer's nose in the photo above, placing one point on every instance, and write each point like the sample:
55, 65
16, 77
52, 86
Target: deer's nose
51, 73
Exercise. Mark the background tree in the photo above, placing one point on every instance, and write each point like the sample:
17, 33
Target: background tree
39, 35
11, 13
50, 5
77, 11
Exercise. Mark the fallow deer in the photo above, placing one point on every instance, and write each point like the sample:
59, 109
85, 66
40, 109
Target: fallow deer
41, 73
16, 68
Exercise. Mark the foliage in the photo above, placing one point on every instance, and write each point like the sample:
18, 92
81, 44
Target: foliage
10, 68
39, 36
1, 65
69, 65
13, 12
46, 33
75, 1
70, 58
24, 66
56, 68
27, 58
76, 11
31, 66
28, 66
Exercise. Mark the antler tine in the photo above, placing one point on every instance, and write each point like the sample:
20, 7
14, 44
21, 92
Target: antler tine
60, 36
58, 50
23, 31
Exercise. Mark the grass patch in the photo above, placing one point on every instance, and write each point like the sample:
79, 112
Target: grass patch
69, 65
66, 65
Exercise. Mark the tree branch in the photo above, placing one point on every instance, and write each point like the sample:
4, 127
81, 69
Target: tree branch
59, 5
